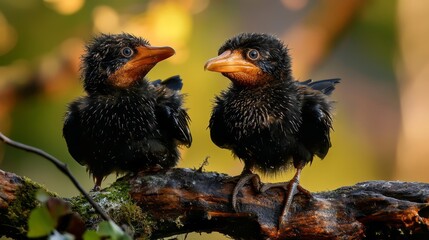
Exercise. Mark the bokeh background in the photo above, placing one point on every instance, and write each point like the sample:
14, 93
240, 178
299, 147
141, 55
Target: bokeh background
379, 48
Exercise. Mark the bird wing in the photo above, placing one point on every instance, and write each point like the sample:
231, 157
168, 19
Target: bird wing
76, 144
325, 86
170, 114
173, 83
314, 132
218, 129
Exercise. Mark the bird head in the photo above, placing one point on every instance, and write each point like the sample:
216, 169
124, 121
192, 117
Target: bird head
115, 61
252, 59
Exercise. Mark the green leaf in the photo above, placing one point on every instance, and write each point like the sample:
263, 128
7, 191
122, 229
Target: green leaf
40, 223
110, 229
91, 235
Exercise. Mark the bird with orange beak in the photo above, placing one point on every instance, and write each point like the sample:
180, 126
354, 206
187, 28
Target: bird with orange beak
266, 118
125, 123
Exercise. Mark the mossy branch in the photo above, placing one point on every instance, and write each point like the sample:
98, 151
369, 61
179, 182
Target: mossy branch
156, 205
60, 166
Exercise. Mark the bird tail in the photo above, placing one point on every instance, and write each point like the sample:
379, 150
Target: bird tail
326, 86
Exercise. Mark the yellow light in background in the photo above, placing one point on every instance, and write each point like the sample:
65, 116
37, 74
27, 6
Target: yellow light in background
170, 21
65, 7
195, 6
8, 36
15, 74
106, 19
164, 23
294, 5
48, 66
71, 50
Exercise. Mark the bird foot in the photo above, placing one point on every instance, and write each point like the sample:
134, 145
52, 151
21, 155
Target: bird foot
285, 186
97, 183
243, 179
292, 188
153, 169
96, 188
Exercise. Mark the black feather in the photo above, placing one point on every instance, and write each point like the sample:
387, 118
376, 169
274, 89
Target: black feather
326, 86
174, 83
172, 118
276, 121
124, 129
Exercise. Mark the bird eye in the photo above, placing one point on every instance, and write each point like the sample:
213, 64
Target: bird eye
253, 54
127, 52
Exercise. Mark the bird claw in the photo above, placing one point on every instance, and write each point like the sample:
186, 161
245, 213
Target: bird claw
96, 188
267, 186
97, 183
243, 179
292, 188
232, 179
304, 191
155, 168
285, 186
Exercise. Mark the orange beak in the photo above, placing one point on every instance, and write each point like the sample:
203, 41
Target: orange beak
151, 55
229, 62
143, 61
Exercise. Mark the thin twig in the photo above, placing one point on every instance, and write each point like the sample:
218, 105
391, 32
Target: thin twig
61, 166
205, 163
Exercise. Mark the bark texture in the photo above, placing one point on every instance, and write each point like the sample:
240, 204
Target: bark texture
156, 205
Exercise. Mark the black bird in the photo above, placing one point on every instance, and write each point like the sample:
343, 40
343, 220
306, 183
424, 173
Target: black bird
125, 123
268, 120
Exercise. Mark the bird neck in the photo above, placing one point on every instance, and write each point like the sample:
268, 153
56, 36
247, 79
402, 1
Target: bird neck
103, 88
271, 82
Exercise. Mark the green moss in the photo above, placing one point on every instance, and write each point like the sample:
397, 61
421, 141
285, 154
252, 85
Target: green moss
83, 208
117, 192
118, 204
19, 209
136, 220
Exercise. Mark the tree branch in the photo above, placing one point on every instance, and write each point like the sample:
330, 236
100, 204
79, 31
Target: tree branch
60, 165
162, 204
